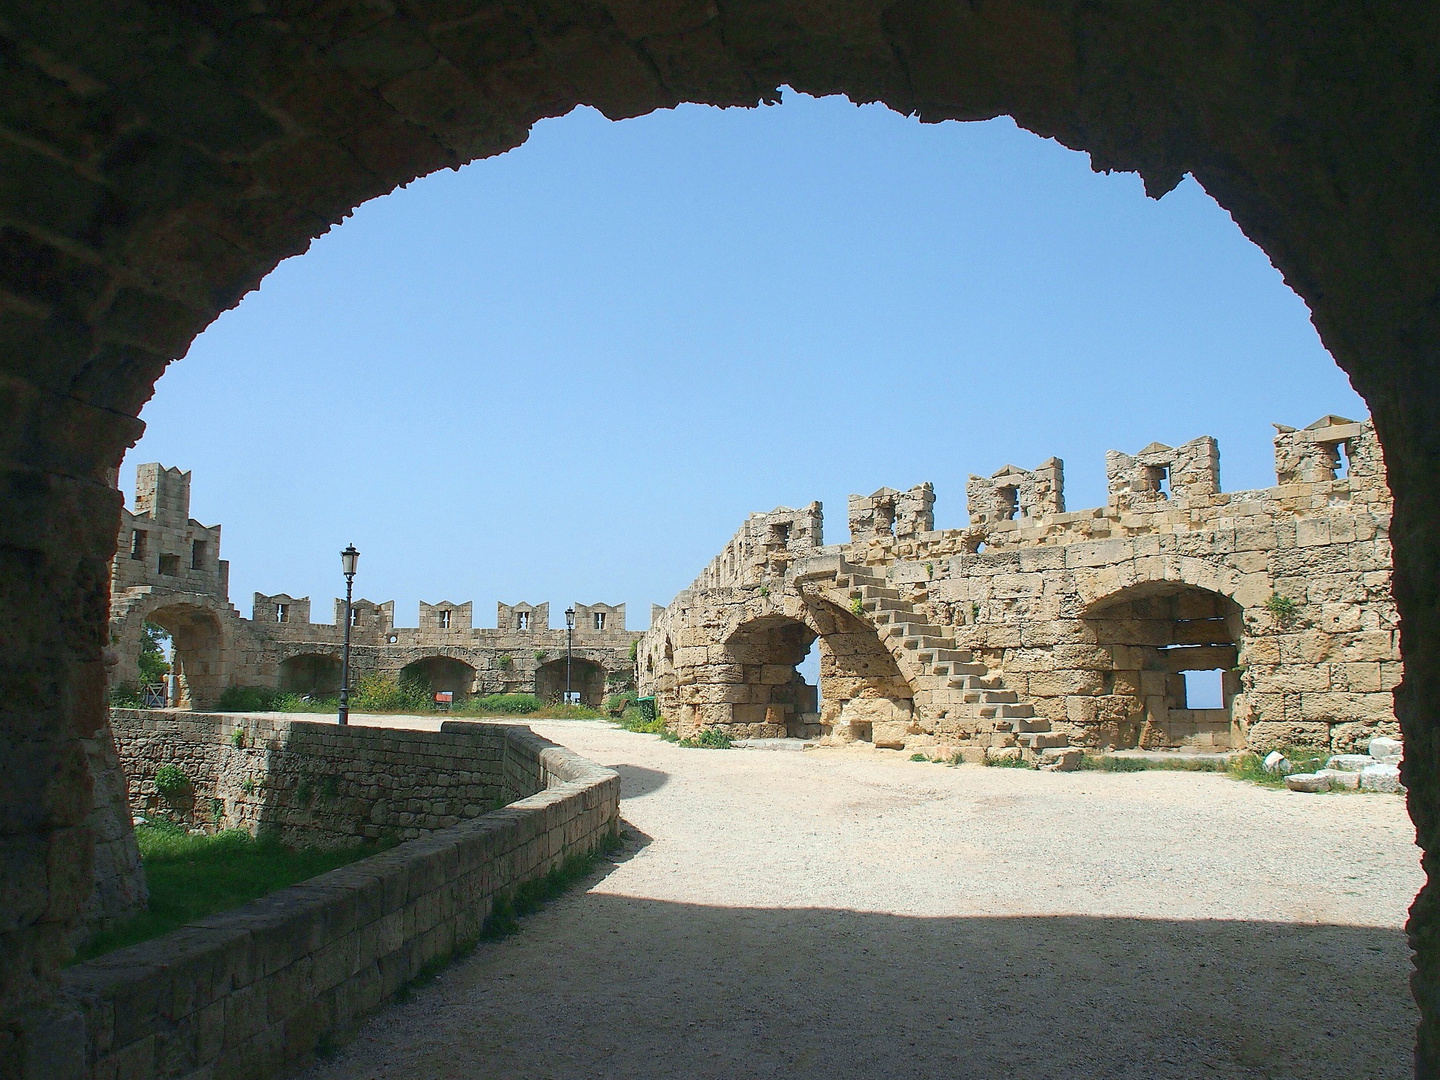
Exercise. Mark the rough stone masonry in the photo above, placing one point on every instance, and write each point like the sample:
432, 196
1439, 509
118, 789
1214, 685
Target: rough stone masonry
1039, 628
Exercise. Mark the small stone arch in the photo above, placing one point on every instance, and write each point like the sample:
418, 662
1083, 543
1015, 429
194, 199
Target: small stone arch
441, 674
314, 674
1151, 640
587, 677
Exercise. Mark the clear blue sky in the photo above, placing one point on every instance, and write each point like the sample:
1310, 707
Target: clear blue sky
568, 373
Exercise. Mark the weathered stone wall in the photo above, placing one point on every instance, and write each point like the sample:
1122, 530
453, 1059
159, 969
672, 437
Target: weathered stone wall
313, 784
280, 648
251, 991
1037, 627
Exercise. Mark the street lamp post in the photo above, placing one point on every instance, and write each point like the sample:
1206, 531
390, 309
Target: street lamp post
569, 638
348, 560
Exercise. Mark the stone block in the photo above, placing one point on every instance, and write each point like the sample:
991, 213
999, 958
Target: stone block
1349, 762
1341, 779
1308, 782
1060, 759
1383, 748
1382, 776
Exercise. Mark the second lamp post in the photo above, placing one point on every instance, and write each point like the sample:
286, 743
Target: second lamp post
569, 636
349, 559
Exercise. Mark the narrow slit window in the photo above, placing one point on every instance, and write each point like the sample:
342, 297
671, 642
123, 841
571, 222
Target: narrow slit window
197, 555
137, 545
522, 620
443, 617
599, 620
282, 613
354, 616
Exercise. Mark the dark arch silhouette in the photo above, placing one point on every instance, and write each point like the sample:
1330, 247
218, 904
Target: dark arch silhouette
164, 157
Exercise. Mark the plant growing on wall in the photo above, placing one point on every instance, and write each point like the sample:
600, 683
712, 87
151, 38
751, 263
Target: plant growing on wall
1283, 609
503, 662
857, 605
171, 781
540, 655
929, 569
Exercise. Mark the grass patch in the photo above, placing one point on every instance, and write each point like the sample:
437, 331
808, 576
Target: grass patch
710, 738
1251, 767
1007, 762
193, 876
635, 719
1106, 763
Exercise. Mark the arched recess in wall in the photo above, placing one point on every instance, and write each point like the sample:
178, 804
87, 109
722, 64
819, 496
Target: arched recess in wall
863, 693
440, 674
587, 678
757, 692
313, 674
1159, 643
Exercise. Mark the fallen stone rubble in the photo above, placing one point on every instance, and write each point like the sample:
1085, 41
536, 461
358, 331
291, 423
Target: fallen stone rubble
1377, 770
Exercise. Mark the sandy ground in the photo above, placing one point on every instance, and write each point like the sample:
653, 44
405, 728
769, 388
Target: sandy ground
838, 913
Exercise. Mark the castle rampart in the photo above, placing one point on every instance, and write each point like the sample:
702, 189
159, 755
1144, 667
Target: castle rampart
1036, 627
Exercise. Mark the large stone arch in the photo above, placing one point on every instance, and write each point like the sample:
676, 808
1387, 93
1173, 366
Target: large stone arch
163, 158
203, 631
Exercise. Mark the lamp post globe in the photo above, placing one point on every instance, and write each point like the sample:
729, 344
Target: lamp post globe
349, 560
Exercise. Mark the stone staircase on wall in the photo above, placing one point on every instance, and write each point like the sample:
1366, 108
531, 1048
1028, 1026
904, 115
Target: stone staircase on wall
951, 681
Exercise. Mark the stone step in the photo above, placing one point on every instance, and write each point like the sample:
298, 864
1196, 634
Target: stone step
1042, 740
960, 672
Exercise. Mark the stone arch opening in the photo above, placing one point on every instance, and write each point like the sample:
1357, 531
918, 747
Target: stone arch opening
440, 674
1153, 640
759, 692
864, 697
311, 674
587, 678
198, 674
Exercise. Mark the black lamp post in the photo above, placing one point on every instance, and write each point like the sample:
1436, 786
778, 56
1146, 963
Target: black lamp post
348, 560
569, 637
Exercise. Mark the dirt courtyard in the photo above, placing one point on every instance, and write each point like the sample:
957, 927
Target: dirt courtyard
848, 913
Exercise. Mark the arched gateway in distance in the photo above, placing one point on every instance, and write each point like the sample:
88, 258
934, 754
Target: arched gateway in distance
1039, 628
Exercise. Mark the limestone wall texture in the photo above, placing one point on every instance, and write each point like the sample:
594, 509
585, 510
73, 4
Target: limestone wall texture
313, 784
167, 571
252, 991
1037, 628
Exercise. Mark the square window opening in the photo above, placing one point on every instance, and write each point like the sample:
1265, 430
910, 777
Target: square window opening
1204, 689
197, 555
599, 620
1009, 498
170, 565
282, 613
522, 620
444, 619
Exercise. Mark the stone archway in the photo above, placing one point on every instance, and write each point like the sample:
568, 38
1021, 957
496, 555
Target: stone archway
864, 695
440, 674
200, 668
181, 152
1155, 635
587, 678
311, 674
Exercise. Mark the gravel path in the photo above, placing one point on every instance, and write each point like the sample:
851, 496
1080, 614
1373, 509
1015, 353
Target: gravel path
848, 913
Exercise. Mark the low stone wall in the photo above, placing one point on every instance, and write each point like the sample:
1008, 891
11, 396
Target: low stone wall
314, 783
251, 991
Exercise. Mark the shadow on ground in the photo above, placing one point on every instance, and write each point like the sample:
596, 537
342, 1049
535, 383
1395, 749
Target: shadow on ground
635, 780
599, 985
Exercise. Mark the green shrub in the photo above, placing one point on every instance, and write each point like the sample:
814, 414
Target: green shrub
128, 696
246, 699
633, 719
710, 738
383, 693
918, 757
506, 704
171, 781
152, 664
568, 712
